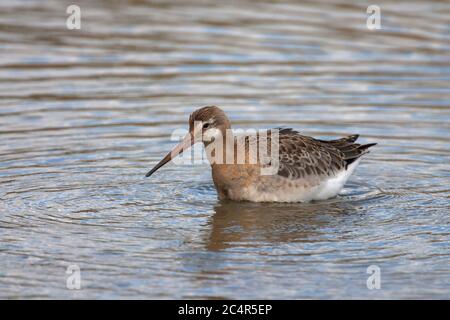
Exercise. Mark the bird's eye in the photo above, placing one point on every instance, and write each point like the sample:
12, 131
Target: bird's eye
206, 125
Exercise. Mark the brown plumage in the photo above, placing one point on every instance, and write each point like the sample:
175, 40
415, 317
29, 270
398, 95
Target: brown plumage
307, 168
301, 156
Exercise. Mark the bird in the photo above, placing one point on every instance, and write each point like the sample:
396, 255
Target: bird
303, 169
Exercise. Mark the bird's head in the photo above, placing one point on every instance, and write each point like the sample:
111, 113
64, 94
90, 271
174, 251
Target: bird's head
205, 125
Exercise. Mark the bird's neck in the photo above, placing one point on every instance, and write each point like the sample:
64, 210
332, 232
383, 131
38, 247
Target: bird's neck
221, 147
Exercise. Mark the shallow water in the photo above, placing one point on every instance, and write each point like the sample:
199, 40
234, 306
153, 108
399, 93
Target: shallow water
85, 113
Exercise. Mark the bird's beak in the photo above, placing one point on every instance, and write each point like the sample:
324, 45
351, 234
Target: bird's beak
187, 142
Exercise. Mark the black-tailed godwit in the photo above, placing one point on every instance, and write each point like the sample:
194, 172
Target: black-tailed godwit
306, 168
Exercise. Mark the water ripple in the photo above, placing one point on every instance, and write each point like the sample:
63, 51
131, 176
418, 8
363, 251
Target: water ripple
85, 113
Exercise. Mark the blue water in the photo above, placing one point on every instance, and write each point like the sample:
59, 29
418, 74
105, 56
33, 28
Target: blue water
85, 113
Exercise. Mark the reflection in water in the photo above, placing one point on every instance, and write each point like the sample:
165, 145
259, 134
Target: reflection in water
254, 224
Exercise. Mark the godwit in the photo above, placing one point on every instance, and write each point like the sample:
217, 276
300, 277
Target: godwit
307, 168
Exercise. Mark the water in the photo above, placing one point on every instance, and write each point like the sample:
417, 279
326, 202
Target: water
85, 113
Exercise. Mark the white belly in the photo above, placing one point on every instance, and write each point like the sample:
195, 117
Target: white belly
283, 190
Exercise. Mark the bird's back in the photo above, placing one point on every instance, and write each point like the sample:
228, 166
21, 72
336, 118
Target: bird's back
308, 169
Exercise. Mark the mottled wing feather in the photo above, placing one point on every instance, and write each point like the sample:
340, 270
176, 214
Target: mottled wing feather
302, 156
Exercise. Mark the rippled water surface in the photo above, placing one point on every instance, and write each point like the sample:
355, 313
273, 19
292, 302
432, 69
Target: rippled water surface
85, 113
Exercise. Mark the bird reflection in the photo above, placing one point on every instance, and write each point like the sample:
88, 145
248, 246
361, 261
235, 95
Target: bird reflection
246, 224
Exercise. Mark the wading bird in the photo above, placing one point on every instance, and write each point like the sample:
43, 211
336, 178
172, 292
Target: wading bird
306, 168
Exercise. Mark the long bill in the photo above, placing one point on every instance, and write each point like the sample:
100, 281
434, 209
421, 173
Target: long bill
187, 142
